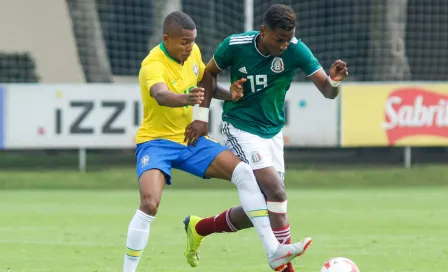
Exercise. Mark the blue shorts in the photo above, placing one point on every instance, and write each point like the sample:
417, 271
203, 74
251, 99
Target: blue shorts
164, 154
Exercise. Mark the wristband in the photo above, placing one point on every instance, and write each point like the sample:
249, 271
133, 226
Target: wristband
333, 82
202, 114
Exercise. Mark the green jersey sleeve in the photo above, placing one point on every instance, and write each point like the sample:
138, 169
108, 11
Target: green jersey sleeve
305, 60
223, 54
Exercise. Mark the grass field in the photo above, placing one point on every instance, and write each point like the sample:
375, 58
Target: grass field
386, 220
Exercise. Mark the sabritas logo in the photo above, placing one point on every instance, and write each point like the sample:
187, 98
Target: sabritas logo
415, 111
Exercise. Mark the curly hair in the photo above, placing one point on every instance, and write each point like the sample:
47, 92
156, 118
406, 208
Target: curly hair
280, 16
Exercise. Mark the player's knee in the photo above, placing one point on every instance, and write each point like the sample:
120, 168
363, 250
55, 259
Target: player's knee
243, 175
276, 194
149, 204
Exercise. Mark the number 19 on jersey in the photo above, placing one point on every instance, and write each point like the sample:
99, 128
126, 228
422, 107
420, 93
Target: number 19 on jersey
257, 81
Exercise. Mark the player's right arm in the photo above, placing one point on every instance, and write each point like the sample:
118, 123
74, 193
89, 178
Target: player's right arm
153, 76
326, 84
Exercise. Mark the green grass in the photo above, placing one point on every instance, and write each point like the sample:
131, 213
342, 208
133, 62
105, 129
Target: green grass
381, 230
386, 220
124, 178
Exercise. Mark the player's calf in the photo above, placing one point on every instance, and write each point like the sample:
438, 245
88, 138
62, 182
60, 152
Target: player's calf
277, 205
219, 223
272, 186
282, 233
151, 184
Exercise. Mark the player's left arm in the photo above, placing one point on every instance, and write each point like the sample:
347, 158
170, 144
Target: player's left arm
233, 94
329, 85
222, 93
219, 92
308, 63
208, 78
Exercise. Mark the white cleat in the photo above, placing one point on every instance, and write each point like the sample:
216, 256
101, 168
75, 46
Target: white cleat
286, 252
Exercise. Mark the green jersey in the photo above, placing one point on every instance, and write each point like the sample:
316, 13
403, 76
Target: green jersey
261, 111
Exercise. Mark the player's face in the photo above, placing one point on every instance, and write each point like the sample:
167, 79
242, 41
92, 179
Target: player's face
181, 44
276, 41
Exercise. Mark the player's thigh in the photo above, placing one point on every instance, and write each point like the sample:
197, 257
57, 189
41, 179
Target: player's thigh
223, 165
157, 154
257, 152
250, 148
208, 159
270, 179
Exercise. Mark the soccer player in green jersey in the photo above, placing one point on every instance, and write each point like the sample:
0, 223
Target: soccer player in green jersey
160, 144
268, 60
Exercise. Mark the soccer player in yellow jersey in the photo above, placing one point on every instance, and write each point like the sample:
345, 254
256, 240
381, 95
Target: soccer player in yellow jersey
169, 77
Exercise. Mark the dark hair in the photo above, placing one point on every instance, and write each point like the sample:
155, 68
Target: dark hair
177, 19
280, 16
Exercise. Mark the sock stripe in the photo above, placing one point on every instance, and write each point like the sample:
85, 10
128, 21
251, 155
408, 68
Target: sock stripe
287, 227
283, 237
229, 223
232, 228
133, 253
283, 234
258, 213
282, 231
284, 241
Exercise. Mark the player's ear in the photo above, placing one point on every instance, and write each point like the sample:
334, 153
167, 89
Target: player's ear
262, 30
166, 37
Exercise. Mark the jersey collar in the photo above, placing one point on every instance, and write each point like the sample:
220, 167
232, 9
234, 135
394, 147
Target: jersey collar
256, 48
162, 47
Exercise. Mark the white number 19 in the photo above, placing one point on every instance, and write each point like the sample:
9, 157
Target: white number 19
260, 80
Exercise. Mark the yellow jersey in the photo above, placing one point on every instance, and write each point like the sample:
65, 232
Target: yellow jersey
160, 122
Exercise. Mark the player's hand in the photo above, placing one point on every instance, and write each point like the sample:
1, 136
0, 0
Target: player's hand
195, 96
236, 89
338, 70
195, 130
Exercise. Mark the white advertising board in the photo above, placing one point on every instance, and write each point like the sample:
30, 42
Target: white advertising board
108, 115
66, 116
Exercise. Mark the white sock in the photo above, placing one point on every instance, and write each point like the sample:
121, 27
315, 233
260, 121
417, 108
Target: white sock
254, 204
138, 234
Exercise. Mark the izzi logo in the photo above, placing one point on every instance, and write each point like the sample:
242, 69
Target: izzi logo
87, 108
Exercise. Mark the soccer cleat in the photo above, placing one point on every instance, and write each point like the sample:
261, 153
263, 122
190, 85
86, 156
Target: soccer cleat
286, 252
288, 268
194, 240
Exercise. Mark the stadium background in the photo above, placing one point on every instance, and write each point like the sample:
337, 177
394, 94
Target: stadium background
49, 207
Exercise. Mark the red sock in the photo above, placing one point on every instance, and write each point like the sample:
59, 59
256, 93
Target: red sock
216, 224
283, 236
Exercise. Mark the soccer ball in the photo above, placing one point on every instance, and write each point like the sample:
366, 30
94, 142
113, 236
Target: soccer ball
339, 264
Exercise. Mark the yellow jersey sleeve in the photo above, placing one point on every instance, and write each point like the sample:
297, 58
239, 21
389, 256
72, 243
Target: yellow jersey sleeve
200, 62
152, 73
201, 71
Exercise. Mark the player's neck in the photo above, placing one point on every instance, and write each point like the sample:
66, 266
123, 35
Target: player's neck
165, 50
260, 46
